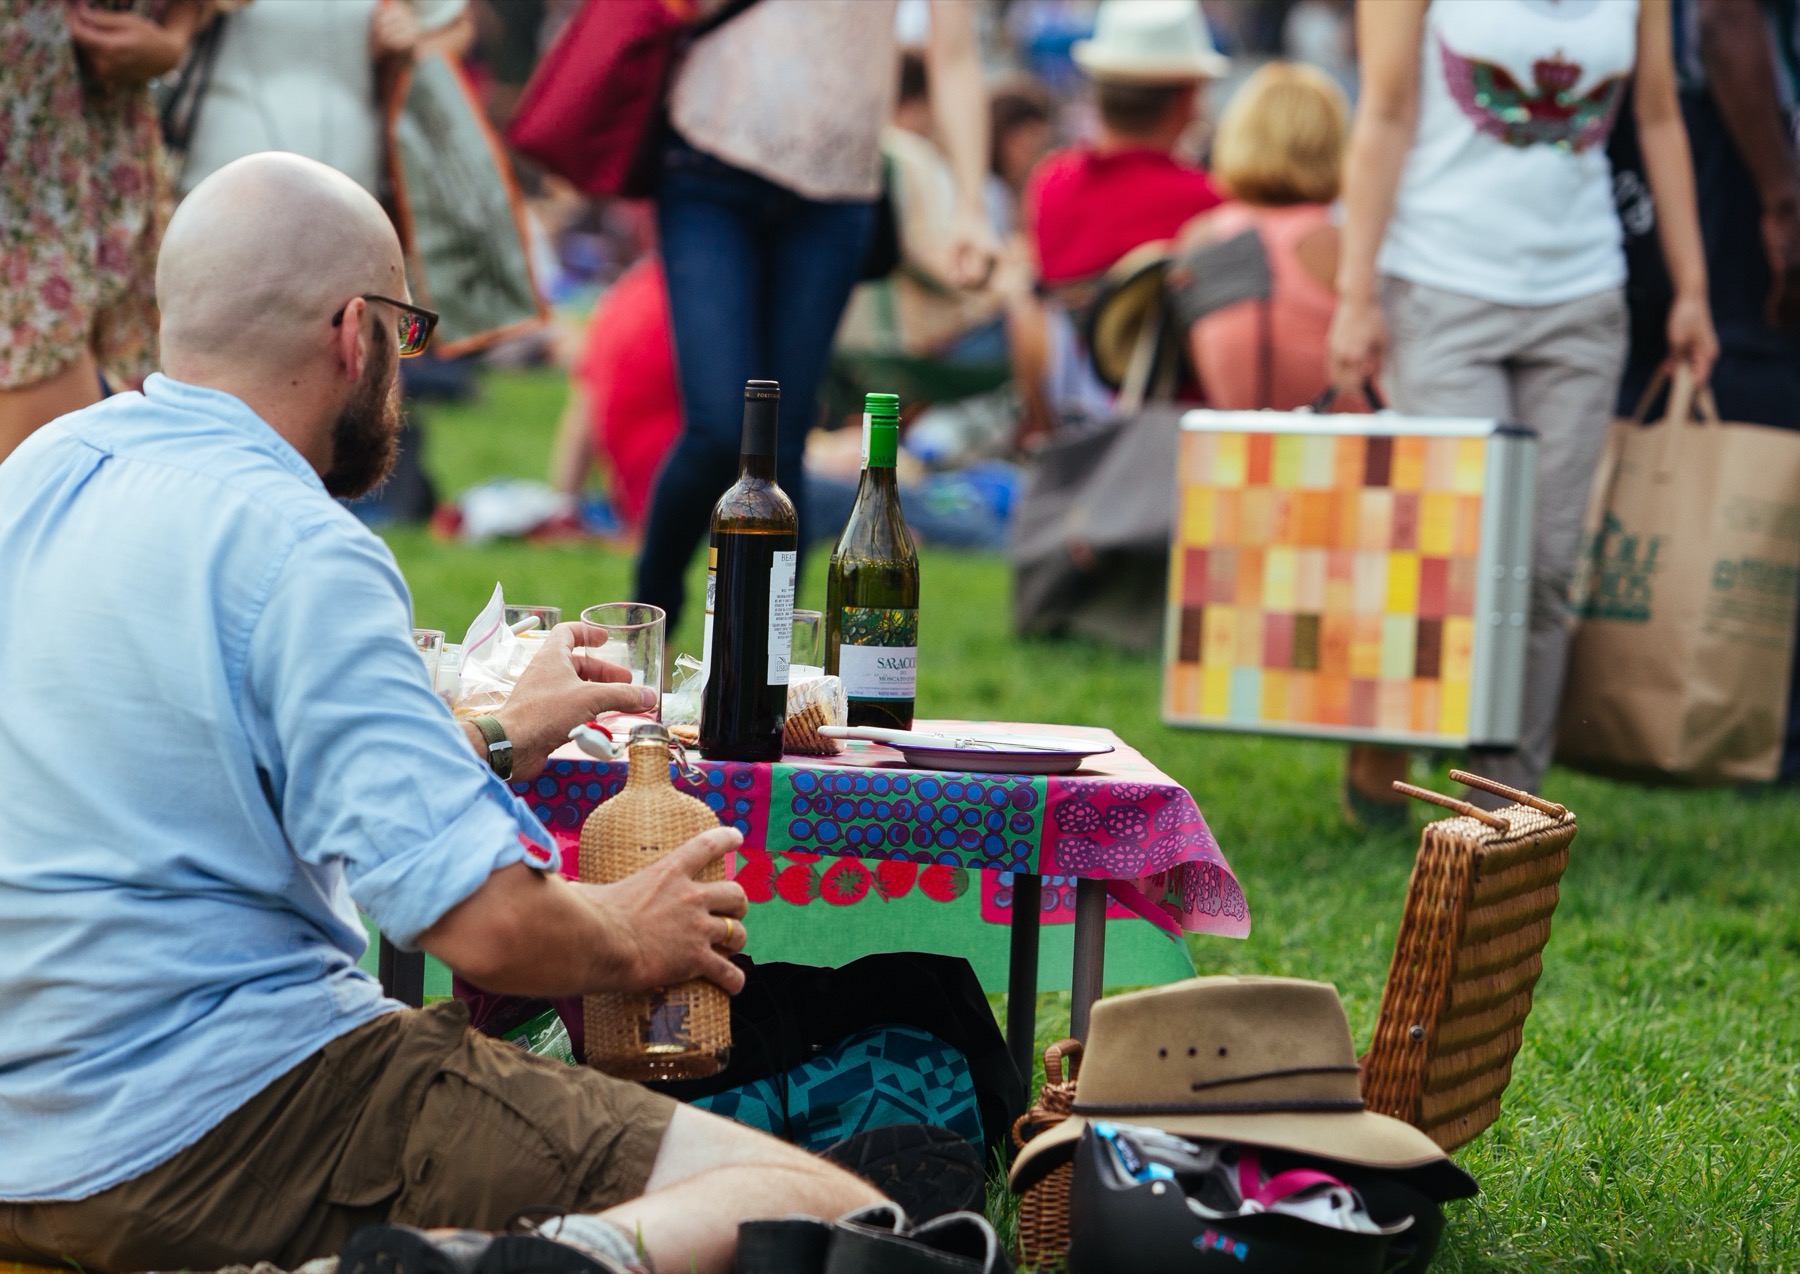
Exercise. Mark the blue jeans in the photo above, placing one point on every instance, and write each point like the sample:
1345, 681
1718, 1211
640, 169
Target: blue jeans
758, 278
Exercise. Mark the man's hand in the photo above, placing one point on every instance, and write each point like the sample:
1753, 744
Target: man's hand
671, 927
559, 690
525, 932
124, 48
1691, 337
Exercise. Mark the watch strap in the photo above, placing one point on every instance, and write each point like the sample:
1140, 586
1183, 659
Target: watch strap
499, 747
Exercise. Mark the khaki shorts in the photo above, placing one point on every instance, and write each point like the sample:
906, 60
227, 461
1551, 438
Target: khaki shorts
412, 1118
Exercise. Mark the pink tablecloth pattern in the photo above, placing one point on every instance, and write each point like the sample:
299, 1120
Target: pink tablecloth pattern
837, 827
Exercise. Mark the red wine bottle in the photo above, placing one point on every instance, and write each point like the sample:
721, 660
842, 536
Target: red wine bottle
750, 594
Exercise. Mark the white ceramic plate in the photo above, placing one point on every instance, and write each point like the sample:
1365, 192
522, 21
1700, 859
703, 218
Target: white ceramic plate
982, 753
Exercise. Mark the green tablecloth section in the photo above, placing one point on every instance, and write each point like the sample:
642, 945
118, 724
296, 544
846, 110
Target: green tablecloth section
1136, 953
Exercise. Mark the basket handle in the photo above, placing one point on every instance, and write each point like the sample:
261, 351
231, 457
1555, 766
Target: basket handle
1451, 803
1053, 1061
1057, 1095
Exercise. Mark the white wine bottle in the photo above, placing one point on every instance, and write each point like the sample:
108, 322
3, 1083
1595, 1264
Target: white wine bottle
872, 590
750, 583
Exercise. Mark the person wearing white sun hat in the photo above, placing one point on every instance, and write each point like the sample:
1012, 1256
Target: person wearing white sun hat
1087, 206
1150, 42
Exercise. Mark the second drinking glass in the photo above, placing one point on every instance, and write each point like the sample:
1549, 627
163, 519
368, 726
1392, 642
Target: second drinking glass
634, 641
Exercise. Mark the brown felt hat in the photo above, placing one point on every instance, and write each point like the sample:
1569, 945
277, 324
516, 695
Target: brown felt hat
1265, 1061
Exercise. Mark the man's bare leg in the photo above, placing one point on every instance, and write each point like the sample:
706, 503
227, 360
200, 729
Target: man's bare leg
712, 1173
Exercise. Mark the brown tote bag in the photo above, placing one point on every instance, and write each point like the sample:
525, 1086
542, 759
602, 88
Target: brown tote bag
1686, 598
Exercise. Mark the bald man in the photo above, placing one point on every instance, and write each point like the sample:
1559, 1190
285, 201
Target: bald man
216, 742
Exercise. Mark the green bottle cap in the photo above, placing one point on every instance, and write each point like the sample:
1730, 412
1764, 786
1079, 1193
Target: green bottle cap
885, 406
884, 443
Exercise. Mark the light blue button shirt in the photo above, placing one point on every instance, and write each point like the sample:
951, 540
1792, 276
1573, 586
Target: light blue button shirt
214, 735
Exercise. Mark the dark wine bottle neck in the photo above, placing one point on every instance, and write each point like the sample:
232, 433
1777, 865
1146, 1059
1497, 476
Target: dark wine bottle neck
761, 416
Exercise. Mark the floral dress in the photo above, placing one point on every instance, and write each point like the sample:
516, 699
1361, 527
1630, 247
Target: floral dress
84, 198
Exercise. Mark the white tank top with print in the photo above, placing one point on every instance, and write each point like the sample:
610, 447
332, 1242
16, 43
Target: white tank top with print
1507, 192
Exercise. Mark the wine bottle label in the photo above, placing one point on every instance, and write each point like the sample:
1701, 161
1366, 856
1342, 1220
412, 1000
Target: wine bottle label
712, 597
865, 440
878, 652
781, 615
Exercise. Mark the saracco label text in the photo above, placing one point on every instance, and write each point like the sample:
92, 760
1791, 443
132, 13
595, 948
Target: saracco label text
878, 652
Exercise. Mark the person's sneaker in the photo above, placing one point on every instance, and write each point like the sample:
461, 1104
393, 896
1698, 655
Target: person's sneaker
929, 1171
961, 1243
801, 1244
402, 1249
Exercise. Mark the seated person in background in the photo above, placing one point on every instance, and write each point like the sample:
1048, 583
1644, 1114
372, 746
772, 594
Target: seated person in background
241, 748
916, 309
1090, 204
1087, 206
1021, 132
1278, 153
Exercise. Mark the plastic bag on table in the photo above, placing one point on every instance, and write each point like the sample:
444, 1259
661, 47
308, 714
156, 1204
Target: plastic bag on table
493, 656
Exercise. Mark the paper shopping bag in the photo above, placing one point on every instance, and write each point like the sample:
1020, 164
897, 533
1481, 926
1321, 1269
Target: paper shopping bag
1686, 598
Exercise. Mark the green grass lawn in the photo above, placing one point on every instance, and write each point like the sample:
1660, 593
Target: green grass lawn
1653, 1122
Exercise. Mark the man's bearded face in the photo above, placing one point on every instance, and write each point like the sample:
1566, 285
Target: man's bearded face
365, 441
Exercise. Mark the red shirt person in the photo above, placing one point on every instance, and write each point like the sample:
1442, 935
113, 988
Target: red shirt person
1089, 205
1087, 208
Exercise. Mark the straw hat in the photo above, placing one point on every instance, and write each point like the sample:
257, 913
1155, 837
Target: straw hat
1150, 42
1264, 1061
1128, 296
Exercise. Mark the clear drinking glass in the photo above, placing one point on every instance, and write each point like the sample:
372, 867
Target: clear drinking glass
429, 642
548, 617
634, 641
449, 673
809, 641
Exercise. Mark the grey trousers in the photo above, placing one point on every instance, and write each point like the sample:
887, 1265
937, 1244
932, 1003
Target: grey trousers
1555, 368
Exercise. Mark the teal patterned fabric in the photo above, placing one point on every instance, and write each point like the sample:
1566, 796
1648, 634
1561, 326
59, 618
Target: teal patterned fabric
884, 1075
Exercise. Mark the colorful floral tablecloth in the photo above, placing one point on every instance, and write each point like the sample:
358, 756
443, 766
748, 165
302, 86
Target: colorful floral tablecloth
861, 826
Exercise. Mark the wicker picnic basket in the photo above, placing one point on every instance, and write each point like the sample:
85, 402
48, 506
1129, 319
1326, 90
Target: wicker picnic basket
1469, 953
1044, 1206
674, 1032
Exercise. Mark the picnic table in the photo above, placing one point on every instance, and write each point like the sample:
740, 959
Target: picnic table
863, 824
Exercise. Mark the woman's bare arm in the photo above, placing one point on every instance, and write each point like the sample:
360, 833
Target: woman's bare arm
1388, 36
1662, 138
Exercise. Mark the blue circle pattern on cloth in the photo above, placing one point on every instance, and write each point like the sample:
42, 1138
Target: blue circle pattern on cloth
958, 820
566, 790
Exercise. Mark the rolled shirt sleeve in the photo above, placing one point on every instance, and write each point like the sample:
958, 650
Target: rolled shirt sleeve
363, 762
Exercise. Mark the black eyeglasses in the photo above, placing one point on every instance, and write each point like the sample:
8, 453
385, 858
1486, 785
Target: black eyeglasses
413, 329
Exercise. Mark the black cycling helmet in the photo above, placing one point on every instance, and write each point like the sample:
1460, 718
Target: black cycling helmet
1146, 1202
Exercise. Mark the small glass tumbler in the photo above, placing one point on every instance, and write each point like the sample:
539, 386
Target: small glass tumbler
808, 649
634, 641
548, 617
429, 642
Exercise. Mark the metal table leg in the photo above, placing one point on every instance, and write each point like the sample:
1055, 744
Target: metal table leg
402, 973
1022, 970
1090, 954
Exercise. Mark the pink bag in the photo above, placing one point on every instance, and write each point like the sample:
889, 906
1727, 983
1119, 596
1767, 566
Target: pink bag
592, 112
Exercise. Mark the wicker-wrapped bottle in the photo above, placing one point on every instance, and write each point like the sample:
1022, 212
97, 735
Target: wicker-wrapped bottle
673, 1032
